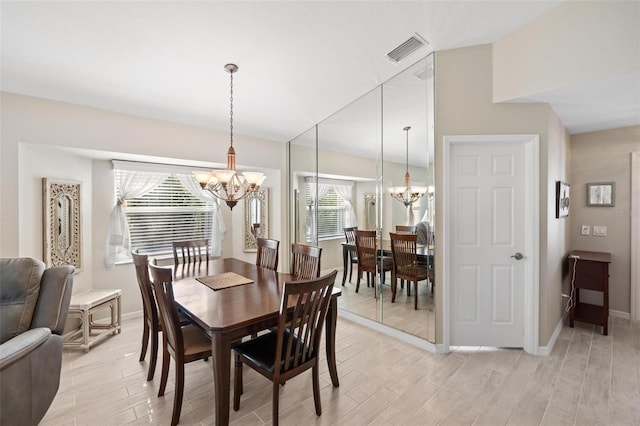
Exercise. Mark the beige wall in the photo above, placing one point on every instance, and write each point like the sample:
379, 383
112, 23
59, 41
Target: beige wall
605, 156
567, 46
36, 135
464, 106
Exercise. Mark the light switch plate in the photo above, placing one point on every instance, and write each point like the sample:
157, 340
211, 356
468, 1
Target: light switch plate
600, 231
585, 230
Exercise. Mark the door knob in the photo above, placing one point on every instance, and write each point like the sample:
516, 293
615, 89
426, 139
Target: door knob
518, 256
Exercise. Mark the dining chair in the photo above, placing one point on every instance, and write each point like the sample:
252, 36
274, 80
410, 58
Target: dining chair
369, 260
350, 236
405, 264
183, 344
151, 325
190, 252
305, 261
294, 346
412, 229
267, 255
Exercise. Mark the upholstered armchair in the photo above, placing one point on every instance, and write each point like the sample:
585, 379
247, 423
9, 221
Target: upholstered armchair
34, 302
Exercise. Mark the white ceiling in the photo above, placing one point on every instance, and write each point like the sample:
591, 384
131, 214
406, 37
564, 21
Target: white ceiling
299, 61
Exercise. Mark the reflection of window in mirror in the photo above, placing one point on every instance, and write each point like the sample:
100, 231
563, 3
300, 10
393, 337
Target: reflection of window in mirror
255, 218
334, 208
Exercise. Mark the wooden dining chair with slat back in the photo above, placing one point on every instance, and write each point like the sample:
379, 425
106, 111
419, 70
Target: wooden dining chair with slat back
350, 236
408, 229
369, 259
183, 344
405, 264
190, 252
305, 261
267, 255
151, 324
294, 346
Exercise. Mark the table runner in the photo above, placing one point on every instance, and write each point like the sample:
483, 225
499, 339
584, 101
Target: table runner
224, 280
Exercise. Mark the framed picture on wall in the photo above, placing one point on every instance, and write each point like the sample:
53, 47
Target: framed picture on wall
601, 194
562, 199
61, 220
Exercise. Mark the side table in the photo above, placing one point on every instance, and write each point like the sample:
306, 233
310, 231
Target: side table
82, 307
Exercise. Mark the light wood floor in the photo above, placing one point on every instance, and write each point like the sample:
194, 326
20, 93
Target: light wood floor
589, 379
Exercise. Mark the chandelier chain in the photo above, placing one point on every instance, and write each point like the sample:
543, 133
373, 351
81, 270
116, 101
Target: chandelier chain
231, 110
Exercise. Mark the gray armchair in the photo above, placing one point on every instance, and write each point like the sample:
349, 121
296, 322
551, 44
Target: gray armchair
34, 302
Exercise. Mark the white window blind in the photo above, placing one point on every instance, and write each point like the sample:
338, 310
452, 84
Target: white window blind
331, 213
167, 213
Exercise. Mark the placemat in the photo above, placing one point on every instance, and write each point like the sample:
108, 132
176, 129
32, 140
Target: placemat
224, 280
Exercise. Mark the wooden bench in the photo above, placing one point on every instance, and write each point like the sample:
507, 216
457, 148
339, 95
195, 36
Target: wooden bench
83, 306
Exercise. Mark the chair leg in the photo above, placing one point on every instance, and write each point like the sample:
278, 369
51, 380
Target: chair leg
358, 281
350, 270
145, 341
165, 369
316, 388
153, 356
415, 290
394, 287
276, 401
237, 384
178, 391
408, 288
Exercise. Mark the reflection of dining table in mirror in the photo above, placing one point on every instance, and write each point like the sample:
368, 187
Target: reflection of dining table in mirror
235, 312
425, 254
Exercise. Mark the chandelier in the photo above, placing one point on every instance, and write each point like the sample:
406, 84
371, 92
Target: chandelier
407, 194
227, 185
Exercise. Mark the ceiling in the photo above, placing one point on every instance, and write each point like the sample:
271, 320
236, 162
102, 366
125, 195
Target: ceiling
299, 61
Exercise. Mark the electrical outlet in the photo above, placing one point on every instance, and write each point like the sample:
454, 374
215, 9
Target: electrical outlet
600, 231
585, 230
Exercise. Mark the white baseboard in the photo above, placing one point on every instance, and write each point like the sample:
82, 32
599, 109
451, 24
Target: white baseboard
619, 314
393, 332
546, 350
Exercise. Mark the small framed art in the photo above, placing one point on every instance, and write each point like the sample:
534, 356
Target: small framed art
562, 199
601, 194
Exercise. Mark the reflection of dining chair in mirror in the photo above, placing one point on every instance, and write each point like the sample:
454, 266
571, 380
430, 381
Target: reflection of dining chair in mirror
369, 261
409, 229
267, 255
350, 236
405, 264
294, 346
305, 261
190, 252
183, 344
255, 230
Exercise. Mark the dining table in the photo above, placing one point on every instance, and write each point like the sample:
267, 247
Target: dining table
424, 252
229, 314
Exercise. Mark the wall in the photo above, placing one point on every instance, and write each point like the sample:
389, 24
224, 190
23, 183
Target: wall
38, 132
464, 105
567, 46
37, 162
605, 156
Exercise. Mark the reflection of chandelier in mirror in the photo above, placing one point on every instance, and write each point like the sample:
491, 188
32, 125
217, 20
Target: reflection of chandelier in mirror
227, 185
407, 194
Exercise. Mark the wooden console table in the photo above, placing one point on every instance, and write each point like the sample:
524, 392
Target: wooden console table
82, 307
591, 271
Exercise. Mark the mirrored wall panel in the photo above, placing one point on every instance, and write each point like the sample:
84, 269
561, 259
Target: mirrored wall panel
342, 174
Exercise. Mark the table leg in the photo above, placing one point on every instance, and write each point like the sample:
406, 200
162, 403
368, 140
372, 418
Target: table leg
221, 351
345, 256
331, 320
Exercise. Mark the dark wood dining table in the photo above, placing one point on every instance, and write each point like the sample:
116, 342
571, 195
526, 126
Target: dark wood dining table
423, 254
229, 314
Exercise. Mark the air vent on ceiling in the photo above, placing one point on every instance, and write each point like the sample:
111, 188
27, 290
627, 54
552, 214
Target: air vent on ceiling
414, 43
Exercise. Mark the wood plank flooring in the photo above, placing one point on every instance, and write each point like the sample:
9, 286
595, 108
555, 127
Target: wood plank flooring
589, 379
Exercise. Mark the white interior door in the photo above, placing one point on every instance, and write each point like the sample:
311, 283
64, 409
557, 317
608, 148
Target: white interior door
487, 186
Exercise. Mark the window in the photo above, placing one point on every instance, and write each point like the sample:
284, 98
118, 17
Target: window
334, 209
167, 213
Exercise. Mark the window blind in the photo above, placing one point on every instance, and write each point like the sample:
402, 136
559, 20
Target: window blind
167, 213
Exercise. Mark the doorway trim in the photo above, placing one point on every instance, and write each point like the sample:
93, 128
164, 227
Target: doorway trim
635, 238
531, 144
